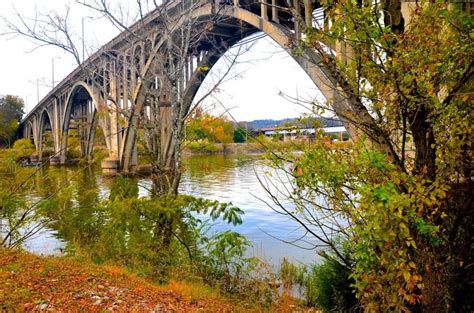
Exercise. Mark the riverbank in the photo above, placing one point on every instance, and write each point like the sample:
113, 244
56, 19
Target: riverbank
32, 283
250, 148
227, 148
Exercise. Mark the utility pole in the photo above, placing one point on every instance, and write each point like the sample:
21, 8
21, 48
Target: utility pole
37, 91
52, 71
83, 44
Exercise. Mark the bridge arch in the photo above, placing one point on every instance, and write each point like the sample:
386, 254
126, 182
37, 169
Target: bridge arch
91, 102
44, 121
279, 33
28, 130
282, 36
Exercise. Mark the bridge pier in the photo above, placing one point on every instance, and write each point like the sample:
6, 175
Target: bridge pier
110, 166
34, 158
55, 161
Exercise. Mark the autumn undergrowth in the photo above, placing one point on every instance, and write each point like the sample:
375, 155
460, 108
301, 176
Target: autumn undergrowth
164, 238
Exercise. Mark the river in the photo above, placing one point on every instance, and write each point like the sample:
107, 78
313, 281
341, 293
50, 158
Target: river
218, 177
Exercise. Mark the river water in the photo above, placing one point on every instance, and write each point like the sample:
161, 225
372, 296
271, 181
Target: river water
236, 179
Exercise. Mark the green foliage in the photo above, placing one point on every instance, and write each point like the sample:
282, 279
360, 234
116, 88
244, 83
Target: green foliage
402, 188
239, 135
22, 148
11, 111
202, 146
389, 227
158, 236
224, 259
22, 215
74, 145
326, 286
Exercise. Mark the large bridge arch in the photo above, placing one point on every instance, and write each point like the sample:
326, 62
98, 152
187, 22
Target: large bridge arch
84, 94
45, 119
28, 131
283, 37
279, 33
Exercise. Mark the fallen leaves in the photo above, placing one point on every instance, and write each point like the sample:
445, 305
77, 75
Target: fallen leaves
62, 284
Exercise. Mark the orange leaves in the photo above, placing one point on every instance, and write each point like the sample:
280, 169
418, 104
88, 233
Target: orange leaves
213, 128
32, 283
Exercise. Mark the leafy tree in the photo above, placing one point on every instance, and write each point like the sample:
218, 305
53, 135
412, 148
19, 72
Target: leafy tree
404, 191
203, 125
11, 111
239, 135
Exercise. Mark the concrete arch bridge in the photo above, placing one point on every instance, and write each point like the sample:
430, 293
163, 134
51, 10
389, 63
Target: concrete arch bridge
127, 82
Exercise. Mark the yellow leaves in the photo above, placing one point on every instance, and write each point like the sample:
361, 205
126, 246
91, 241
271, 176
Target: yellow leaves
411, 243
202, 68
407, 276
404, 228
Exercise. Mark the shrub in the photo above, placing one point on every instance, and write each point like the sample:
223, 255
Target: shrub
326, 286
23, 148
202, 146
239, 135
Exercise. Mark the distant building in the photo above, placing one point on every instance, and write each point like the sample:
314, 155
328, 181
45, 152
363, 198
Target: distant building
294, 133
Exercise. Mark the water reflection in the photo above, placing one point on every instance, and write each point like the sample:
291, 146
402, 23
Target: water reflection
234, 179
217, 177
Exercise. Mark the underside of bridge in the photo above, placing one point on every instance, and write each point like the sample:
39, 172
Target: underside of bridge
80, 124
144, 81
46, 144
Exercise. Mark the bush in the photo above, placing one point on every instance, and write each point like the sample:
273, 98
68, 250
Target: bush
99, 154
239, 135
202, 146
326, 286
73, 154
23, 148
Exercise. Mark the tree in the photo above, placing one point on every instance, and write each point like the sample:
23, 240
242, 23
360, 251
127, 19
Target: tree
11, 112
238, 135
46, 29
213, 128
402, 196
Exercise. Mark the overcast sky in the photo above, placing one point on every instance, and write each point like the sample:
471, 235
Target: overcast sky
265, 71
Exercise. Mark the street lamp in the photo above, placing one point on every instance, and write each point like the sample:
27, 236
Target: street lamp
38, 90
52, 71
83, 53
38, 80
26, 101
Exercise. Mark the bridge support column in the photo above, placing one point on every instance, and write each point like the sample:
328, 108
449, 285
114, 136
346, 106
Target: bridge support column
263, 9
54, 161
114, 111
34, 158
275, 12
56, 128
110, 166
308, 13
407, 9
